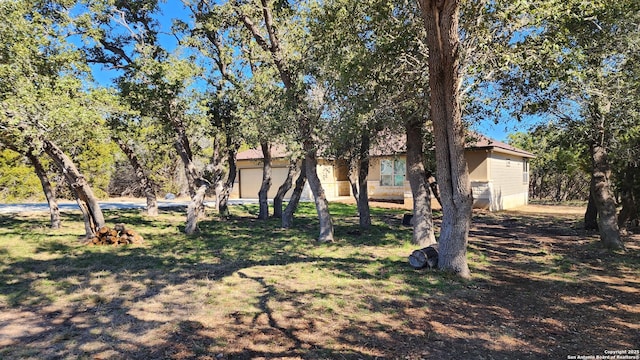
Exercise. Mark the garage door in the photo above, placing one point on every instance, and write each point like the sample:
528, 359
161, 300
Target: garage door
250, 180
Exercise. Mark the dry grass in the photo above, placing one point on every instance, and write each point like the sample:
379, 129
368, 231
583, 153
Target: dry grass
245, 289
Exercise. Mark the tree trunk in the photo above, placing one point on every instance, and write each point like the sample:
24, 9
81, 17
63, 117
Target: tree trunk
197, 184
433, 185
441, 22
282, 190
364, 212
296, 99
194, 211
292, 206
223, 195
354, 189
49, 192
591, 215
322, 205
629, 207
88, 203
423, 233
217, 170
263, 198
141, 175
603, 198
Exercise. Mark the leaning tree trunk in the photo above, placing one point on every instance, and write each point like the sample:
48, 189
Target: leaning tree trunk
433, 185
263, 198
354, 188
282, 190
364, 212
322, 205
441, 22
603, 198
88, 203
591, 214
49, 192
287, 215
423, 234
194, 209
198, 186
223, 195
143, 178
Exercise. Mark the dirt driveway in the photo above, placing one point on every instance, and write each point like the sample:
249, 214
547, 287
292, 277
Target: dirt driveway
550, 209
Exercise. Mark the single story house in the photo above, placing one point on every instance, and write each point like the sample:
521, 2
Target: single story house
499, 174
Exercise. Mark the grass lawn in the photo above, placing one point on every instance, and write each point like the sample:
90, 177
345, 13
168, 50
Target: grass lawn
246, 289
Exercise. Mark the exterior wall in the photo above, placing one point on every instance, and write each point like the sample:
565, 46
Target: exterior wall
508, 186
328, 179
478, 165
482, 194
374, 169
497, 180
343, 186
249, 178
377, 191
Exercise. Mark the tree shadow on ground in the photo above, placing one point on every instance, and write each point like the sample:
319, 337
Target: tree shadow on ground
233, 292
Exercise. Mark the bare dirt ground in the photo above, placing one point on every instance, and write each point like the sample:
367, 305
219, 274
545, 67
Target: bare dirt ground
550, 285
543, 288
550, 209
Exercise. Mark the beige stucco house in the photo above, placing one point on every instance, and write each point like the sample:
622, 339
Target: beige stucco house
499, 175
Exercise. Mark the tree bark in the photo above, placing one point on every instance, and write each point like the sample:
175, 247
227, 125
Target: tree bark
292, 206
423, 232
263, 198
284, 188
217, 170
433, 185
441, 22
223, 195
322, 205
354, 189
364, 211
88, 203
603, 198
49, 192
194, 210
591, 214
627, 197
141, 175
198, 185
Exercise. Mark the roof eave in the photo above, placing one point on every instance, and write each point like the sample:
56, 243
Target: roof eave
524, 154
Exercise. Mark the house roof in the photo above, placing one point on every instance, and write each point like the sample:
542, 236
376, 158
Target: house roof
397, 144
277, 152
481, 142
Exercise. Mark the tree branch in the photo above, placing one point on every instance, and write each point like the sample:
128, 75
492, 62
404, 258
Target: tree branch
116, 50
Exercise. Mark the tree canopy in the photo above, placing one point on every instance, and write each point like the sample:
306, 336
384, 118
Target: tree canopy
324, 78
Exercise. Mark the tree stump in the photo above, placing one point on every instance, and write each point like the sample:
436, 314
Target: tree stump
424, 258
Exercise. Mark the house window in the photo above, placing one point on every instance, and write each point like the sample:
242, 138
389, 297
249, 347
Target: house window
525, 171
392, 172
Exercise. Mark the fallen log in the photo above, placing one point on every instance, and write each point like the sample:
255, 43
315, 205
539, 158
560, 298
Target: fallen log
424, 258
119, 235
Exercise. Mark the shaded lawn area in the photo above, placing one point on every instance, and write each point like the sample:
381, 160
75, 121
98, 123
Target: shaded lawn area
246, 289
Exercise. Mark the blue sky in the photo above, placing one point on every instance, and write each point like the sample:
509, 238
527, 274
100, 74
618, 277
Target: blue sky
506, 126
